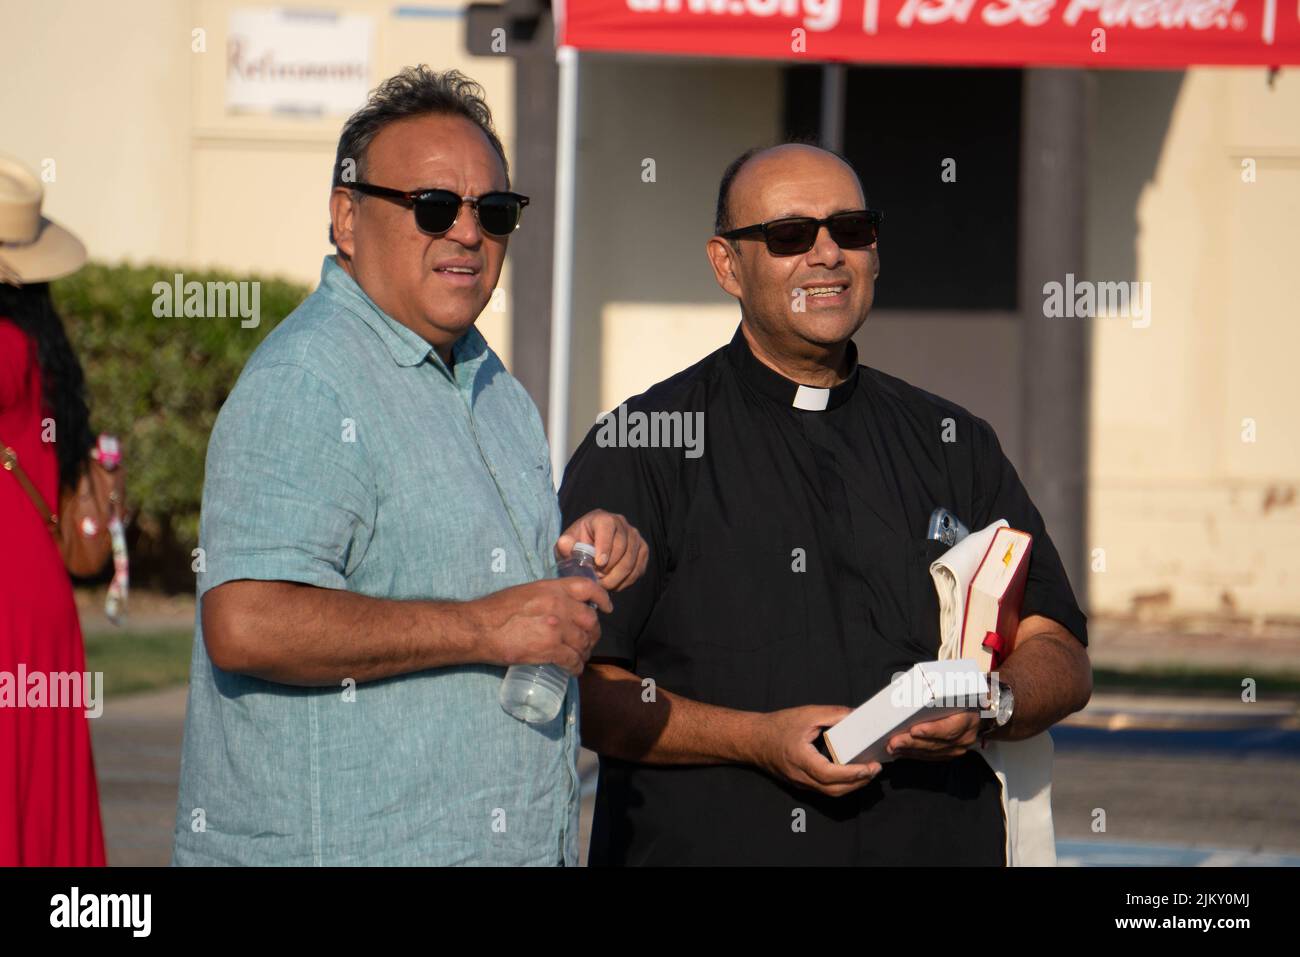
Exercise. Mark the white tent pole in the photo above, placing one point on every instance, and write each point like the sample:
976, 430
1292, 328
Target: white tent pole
562, 262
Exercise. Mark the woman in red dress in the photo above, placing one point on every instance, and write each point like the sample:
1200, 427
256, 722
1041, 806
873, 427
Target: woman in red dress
49, 800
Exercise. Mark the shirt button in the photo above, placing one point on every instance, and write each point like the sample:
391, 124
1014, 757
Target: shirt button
570, 719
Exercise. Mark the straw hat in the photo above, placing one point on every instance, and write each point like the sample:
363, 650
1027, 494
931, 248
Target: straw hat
32, 248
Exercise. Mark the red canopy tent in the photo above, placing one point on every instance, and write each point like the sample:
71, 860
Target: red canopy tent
1085, 33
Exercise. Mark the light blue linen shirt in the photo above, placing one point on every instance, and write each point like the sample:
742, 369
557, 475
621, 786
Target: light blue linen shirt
349, 457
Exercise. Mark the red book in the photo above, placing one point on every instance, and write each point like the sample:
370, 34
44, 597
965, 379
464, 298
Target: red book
994, 597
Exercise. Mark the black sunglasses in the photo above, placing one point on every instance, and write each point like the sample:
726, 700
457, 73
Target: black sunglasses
436, 210
854, 229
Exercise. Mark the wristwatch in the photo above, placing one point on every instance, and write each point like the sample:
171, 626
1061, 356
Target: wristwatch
1003, 703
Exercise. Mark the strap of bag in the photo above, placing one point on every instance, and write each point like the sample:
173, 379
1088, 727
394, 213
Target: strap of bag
9, 460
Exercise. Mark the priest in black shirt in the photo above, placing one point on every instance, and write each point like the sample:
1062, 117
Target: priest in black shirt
789, 568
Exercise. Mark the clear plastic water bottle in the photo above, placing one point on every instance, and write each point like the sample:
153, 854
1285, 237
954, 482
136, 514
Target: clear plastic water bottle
535, 693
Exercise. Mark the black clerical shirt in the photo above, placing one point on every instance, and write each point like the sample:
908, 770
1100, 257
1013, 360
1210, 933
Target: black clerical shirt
789, 566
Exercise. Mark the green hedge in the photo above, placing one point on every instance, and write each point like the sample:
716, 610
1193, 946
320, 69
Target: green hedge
158, 384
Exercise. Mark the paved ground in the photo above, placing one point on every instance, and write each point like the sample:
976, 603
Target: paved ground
1207, 781
137, 744
1215, 795
1206, 800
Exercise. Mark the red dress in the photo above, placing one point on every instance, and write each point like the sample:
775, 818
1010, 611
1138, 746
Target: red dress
49, 800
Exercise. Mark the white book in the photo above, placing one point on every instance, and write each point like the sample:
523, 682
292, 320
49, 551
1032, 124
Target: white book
930, 690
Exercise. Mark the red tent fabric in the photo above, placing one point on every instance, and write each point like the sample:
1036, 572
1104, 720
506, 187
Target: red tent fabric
1169, 34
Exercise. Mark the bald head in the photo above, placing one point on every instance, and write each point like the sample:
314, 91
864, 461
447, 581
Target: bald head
757, 169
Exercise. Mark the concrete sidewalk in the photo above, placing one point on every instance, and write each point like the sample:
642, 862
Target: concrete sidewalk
1241, 802
137, 743
1120, 712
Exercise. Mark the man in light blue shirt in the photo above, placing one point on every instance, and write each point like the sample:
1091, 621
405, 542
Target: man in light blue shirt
379, 535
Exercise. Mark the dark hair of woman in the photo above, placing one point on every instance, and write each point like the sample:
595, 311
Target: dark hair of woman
62, 382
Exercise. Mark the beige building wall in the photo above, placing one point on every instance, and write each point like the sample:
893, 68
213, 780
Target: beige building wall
149, 164
1195, 441
655, 135
101, 91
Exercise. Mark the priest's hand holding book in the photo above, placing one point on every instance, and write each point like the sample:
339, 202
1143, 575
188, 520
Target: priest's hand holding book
939, 740
784, 745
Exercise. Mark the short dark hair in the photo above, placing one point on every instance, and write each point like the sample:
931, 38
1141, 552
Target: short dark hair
722, 213
416, 91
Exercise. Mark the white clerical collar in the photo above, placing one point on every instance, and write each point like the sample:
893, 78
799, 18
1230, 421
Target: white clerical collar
811, 399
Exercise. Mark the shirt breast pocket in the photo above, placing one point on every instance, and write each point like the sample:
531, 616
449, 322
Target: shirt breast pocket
541, 504
536, 479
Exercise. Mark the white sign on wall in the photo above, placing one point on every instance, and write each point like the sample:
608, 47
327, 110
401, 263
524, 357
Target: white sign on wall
297, 61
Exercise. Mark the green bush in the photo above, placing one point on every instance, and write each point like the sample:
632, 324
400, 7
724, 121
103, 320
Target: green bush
158, 383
